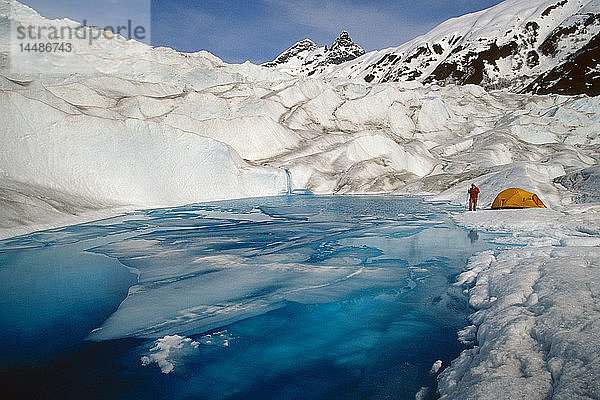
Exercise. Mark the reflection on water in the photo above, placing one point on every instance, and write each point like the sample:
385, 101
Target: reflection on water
52, 297
473, 236
286, 297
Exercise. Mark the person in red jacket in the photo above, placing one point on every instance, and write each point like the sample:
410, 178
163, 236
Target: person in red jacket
473, 194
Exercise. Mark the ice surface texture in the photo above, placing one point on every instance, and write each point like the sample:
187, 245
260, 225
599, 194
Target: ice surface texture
146, 127
196, 273
537, 319
313, 296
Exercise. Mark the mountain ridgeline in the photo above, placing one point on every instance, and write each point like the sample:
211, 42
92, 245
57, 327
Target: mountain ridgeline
532, 46
306, 58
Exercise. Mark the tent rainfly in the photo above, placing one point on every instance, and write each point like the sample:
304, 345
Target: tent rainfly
517, 198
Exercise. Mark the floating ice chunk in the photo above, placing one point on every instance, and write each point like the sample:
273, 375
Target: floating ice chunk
436, 367
219, 339
422, 393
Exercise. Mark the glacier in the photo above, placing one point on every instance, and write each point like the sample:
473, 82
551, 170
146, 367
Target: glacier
136, 127
536, 320
218, 131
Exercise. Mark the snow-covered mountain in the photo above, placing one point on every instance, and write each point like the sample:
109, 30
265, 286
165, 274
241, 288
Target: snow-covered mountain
536, 46
306, 58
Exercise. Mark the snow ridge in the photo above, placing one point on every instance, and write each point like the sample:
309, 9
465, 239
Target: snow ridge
531, 46
537, 310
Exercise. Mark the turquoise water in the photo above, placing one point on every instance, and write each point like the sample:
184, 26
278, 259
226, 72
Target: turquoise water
291, 297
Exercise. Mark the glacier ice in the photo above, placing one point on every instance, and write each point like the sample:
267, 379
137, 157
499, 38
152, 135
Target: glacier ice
219, 131
161, 352
536, 309
197, 274
243, 292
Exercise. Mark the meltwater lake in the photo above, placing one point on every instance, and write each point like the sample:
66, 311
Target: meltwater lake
289, 297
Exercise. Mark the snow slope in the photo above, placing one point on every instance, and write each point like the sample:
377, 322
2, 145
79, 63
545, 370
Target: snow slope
540, 46
537, 318
150, 127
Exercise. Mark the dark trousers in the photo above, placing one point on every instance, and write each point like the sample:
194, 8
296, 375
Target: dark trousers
472, 203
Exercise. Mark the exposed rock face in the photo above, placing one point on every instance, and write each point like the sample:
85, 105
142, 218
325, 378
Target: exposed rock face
547, 47
577, 75
342, 50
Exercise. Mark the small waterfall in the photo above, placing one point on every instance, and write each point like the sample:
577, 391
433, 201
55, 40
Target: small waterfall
289, 181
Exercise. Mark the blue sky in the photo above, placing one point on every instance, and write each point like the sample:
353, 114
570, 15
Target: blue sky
259, 30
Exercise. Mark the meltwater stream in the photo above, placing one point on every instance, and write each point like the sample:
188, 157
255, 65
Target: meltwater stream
291, 297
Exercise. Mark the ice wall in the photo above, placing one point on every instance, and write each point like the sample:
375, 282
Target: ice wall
152, 126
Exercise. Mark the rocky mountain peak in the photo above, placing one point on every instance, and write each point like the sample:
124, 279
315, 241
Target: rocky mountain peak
546, 46
343, 49
343, 40
538, 46
299, 47
305, 57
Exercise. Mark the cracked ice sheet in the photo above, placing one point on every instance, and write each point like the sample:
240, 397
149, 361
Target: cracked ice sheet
538, 310
215, 291
184, 287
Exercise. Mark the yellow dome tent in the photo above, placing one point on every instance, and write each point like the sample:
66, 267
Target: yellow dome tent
517, 198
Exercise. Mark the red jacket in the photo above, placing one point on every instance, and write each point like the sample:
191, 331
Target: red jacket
474, 192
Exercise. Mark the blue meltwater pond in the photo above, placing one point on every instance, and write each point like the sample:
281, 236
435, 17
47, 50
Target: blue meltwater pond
291, 297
